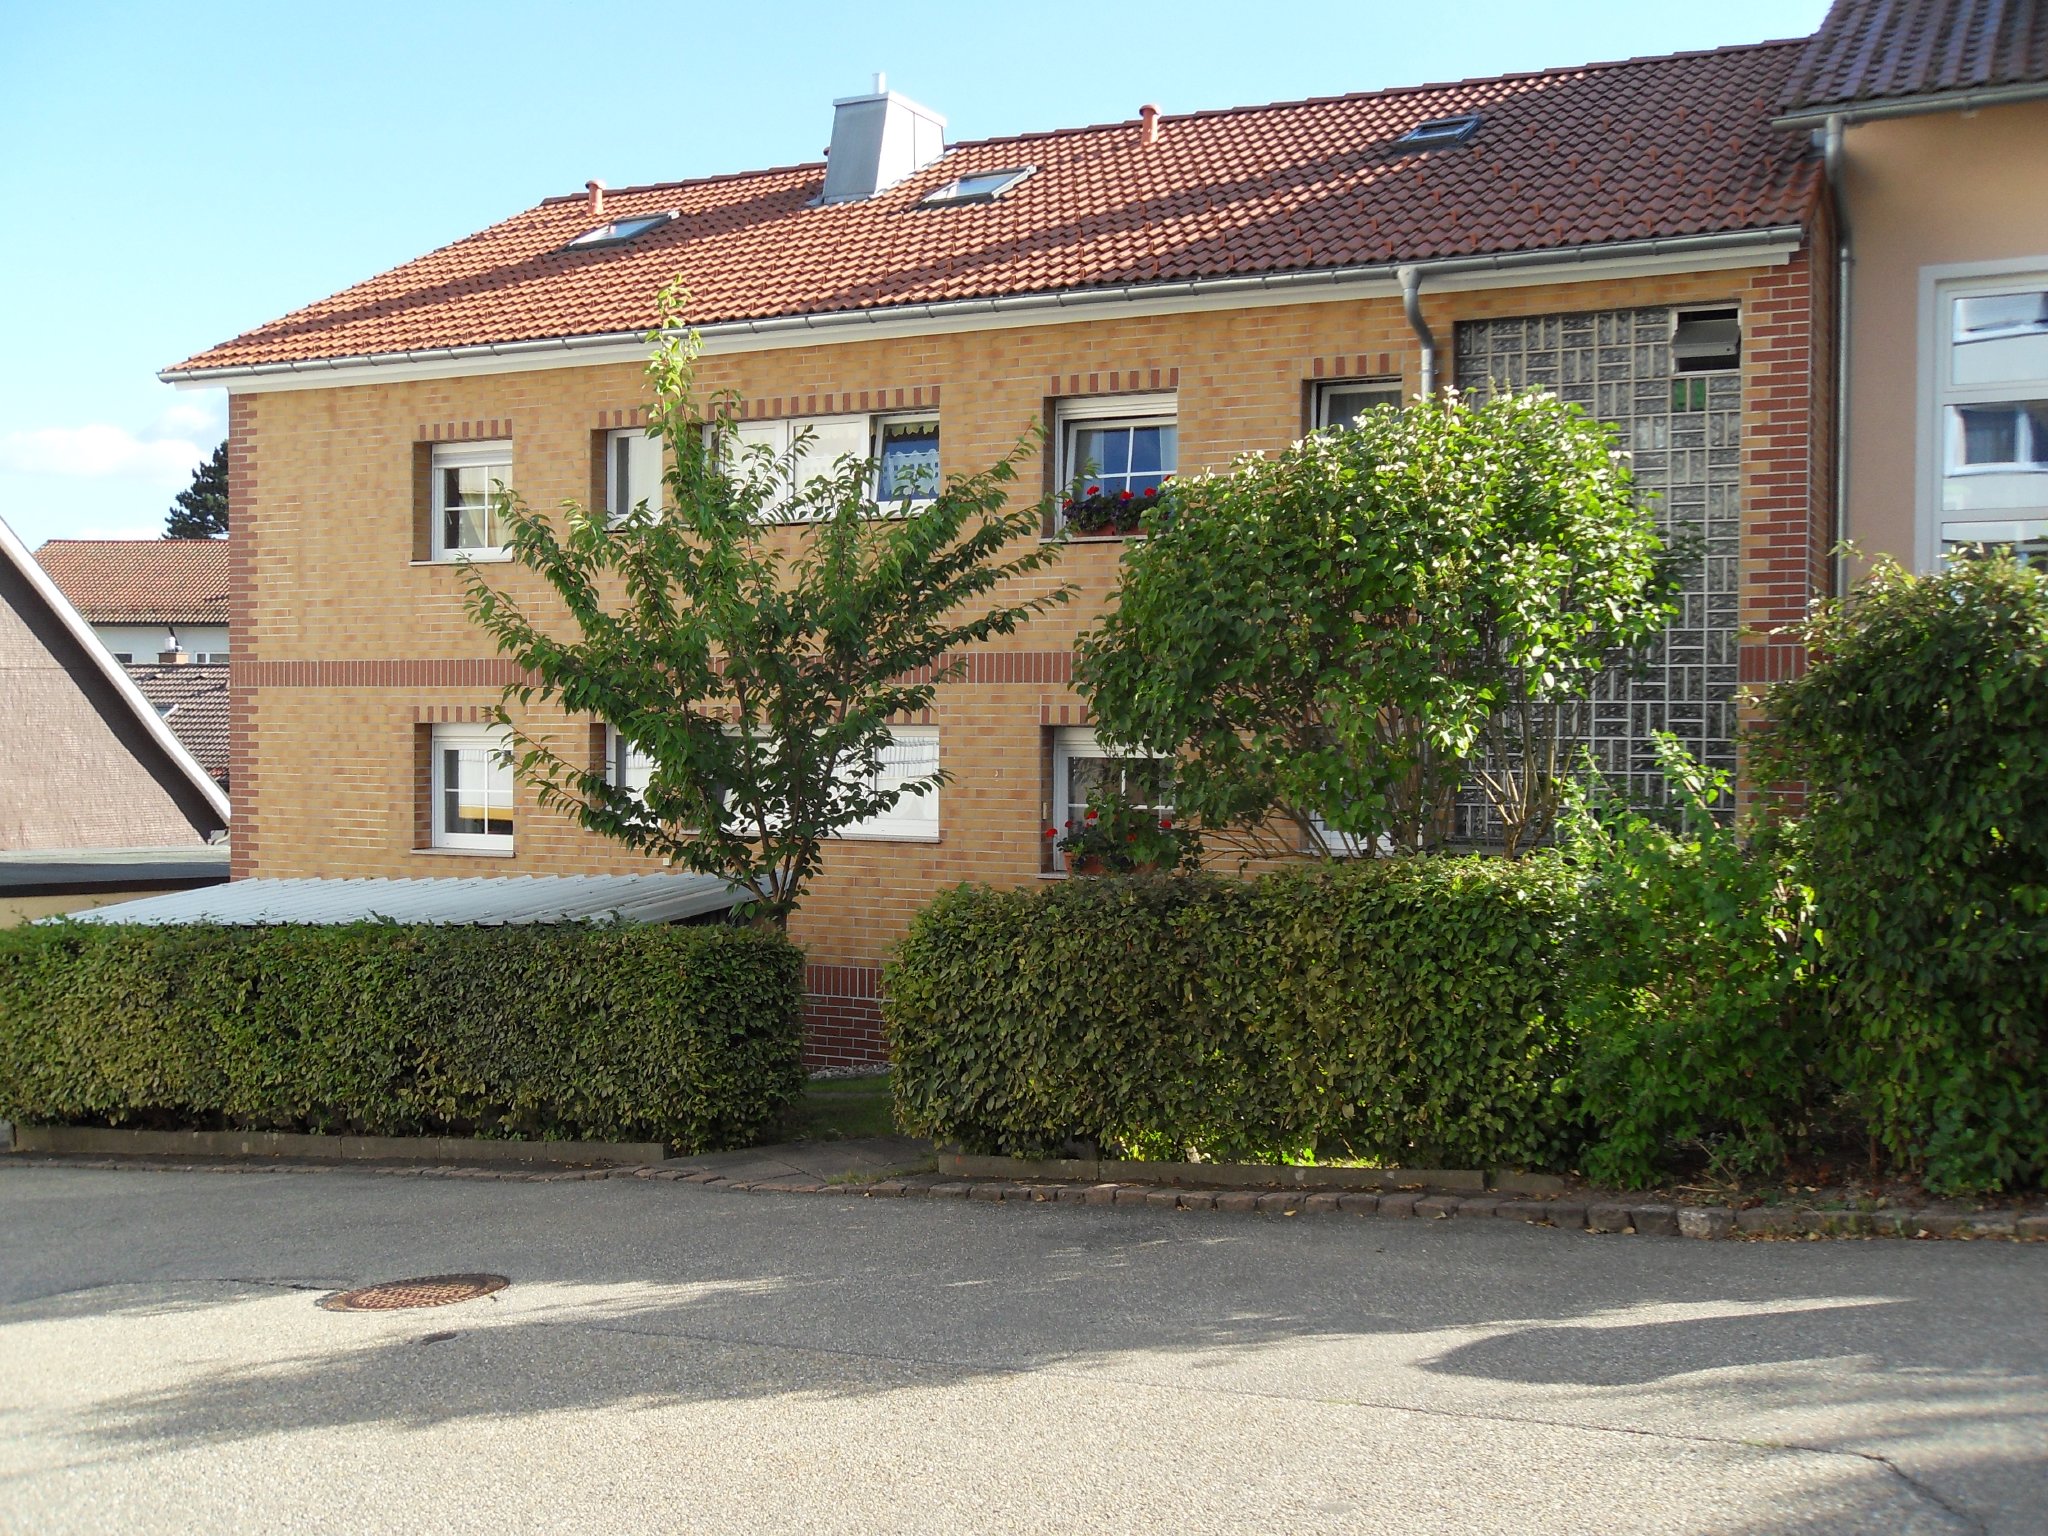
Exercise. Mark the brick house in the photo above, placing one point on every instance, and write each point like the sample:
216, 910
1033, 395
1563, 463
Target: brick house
1159, 295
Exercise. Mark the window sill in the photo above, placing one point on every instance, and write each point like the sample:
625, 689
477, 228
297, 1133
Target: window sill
467, 853
500, 557
1093, 538
886, 837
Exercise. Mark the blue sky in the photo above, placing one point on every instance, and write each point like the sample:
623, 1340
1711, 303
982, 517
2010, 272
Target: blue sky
178, 172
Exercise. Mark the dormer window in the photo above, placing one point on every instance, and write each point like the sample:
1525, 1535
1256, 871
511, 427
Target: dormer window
982, 187
619, 231
1441, 132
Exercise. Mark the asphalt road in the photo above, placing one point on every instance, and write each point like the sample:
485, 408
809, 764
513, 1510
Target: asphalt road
675, 1359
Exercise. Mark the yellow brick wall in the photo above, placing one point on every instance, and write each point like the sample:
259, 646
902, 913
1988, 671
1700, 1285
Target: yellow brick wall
324, 524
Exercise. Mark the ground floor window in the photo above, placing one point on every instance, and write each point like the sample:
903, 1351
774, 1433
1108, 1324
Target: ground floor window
1081, 766
472, 788
912, 753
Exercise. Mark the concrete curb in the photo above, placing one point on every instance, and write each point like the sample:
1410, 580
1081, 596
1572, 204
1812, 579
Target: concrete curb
95, 1141
1618, 1217
1249, 1175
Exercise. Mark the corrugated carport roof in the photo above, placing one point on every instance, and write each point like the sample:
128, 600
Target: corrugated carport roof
647, 898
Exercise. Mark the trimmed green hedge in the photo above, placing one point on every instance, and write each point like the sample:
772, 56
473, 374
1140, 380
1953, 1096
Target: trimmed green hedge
1406, 1010
691, 1036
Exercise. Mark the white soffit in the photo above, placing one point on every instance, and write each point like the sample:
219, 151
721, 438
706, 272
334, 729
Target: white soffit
1654, 258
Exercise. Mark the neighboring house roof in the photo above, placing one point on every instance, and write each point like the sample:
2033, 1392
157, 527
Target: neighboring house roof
141, 581
1880, 55
483, 900
1602, 154
193, 701
88, 761
90, 871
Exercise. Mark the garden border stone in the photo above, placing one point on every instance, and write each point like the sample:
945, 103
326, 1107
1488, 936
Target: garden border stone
91, 1141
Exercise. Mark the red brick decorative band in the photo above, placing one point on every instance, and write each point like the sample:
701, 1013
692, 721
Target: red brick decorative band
982, 667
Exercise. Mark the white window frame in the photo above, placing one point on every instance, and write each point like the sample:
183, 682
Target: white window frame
1069, 743
1325, 388
446, 738
623, 760
495, 452
1940, 287
913, 818
788, 428
624, 449
1070, 415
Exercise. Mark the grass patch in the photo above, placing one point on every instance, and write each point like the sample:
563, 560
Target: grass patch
843, 1109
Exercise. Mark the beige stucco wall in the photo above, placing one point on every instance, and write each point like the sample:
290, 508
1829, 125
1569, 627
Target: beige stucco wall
26, 909
67, 780
1922, 192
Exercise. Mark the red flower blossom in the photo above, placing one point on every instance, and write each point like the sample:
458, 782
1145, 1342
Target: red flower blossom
1166, 823
1052, 832
1094, 490
1123, 496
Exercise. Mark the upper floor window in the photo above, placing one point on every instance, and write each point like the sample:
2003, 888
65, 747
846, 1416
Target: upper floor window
472, 788
466, 476
1989, 447
1115, 450
1342, 402
632, 463
903, 448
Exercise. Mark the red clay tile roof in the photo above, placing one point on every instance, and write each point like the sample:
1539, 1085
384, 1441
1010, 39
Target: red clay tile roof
1874, 50
193, 699
1636, 150
141, 581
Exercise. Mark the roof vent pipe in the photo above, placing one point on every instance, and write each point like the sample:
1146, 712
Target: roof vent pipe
877, 141
1411, 301
1149, 116
596, 191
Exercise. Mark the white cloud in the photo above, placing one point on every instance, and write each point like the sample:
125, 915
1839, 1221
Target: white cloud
200, 418
102, 451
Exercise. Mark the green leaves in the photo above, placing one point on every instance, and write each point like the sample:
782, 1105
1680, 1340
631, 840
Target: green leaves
753, 637
692, 1036
1921, 733
1402, 1010
1697, 995
1347, 630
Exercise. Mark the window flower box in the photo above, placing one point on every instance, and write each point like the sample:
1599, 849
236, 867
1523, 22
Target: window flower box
1092, 512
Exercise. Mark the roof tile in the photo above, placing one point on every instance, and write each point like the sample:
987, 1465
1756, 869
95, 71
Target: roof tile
1872, 50
1639, 149
141, 581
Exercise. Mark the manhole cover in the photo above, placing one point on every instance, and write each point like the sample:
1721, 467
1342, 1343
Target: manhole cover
426, 1291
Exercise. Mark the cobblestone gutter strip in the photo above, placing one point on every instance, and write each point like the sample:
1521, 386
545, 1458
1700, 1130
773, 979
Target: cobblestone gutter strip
1607, 1217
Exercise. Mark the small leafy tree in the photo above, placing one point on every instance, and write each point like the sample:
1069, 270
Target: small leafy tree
201, 510
1329, 641
753, 637
1921, 733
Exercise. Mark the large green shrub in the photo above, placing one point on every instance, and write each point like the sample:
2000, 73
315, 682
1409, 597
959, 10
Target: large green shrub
1921, 732
691, 1036
1407, 1011
1696, 996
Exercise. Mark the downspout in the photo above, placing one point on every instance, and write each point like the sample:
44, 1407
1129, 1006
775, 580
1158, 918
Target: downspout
1411, 301
1831, 159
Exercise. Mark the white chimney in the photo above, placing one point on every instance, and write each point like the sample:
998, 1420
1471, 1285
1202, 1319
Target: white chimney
877, 141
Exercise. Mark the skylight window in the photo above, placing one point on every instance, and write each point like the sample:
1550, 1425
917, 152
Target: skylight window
619, 231
1441, 132
982, 187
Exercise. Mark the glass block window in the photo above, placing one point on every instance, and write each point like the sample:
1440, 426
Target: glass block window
1684, 436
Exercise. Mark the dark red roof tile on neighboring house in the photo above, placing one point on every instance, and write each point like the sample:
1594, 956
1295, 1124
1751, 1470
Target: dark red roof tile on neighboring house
141, 581
1605, 153
192, 697
1878, 50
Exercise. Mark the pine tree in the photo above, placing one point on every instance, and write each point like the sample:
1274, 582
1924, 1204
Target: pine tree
201, 511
